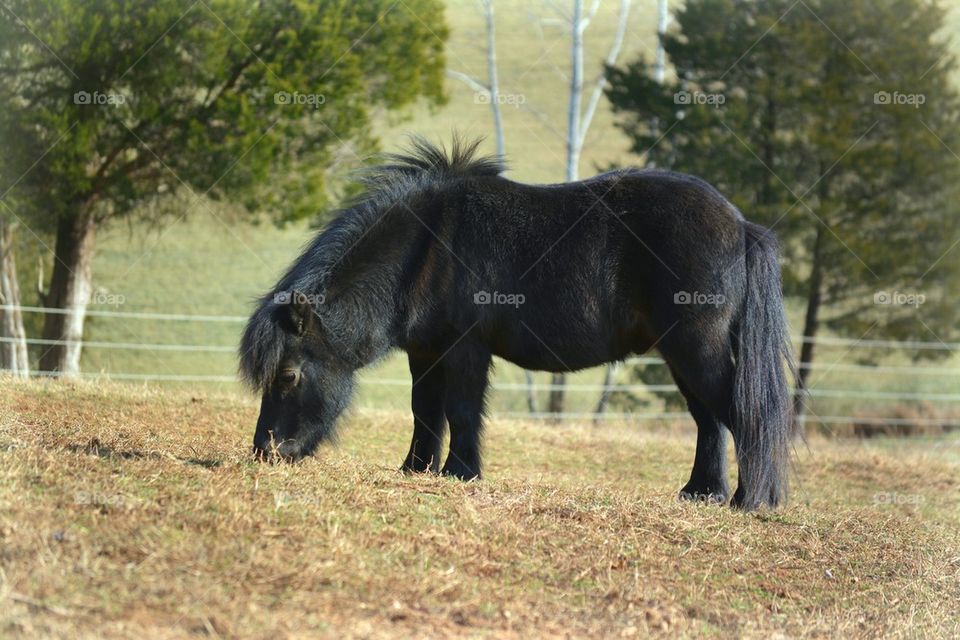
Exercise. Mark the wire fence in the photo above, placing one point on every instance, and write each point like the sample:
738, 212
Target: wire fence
877, 399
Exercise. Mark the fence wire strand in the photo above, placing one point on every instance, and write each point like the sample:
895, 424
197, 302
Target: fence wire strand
839, 367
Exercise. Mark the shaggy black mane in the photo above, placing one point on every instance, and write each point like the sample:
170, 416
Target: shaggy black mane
398, 179
426, 157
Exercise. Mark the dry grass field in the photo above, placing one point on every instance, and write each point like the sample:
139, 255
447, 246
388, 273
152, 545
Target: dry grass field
131, 512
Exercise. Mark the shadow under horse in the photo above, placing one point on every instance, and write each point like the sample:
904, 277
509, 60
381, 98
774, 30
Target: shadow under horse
448, 260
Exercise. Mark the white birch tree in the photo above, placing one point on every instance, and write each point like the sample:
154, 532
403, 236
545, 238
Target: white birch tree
579, 121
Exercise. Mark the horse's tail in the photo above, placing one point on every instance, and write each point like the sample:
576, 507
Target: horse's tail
762, 412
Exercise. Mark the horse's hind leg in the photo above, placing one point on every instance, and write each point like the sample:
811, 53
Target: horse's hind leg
708, 479
704, 374
429, 422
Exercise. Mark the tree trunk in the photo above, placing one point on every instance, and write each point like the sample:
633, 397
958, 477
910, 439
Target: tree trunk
13, 348
492, 76
70, 288
659, 59
531, 394
810, 325
558, 380
576, 92
766, 194
494, 86
556, 399
584, 125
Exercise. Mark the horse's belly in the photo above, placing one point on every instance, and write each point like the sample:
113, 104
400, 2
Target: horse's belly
541, 348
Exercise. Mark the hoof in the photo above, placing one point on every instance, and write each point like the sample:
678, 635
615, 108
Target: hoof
740, 501
460, 471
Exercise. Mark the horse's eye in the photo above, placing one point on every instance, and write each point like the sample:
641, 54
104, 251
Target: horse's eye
290, 377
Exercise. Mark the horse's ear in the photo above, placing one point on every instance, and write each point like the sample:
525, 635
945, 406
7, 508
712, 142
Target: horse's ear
302, 314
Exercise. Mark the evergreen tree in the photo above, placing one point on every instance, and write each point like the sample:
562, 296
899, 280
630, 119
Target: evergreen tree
835, 123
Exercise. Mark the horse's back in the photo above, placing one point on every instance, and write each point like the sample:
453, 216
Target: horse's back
575, 274
656, 219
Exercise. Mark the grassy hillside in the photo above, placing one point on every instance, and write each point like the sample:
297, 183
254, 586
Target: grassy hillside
127, 512
208, 265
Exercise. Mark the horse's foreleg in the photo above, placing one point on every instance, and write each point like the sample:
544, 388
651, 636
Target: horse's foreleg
466, 387
427, 403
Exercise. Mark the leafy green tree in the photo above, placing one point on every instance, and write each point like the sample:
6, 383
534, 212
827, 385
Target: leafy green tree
833, 122
110, 103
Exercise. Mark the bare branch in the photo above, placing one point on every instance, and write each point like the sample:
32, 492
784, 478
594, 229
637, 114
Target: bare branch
469, 80
591, 13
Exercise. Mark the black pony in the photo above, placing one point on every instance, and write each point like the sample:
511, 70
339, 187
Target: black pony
446, 259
